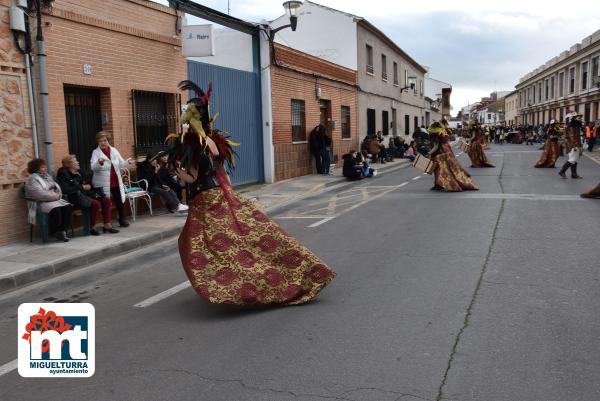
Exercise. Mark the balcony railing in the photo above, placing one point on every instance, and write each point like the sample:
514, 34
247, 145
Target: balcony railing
370, 69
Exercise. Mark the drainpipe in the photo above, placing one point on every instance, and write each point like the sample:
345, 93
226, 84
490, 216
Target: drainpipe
32, 107
44, 86
267, 108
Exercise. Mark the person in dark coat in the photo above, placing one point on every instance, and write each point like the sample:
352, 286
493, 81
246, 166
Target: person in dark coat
351, 169
79, 194
320, 147
167, 176
148, 170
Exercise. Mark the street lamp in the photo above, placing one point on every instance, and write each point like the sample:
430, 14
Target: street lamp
292, 10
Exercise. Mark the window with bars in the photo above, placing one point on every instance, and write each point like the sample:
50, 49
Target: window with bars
369, 59
384, 67
346, 134
396, 74
155, 117
298, 121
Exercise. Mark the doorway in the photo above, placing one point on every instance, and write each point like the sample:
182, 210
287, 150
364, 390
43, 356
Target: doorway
394, 122
385, 122
84, 121
370, 121
406, 124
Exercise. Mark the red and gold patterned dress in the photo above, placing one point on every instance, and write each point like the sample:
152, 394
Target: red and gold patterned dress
550, 154
593, 193
233, 253
476, 154
449, 175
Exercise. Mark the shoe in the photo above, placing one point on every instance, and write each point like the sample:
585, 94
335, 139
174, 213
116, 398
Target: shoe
61, 236
109, 230
182, 208
374, 174
94, 232
123, 223
576, 177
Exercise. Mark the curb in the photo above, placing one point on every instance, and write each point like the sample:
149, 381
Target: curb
329, 186
42, 272
45, 271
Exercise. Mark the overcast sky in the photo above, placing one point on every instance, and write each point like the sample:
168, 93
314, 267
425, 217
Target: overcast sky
476, 46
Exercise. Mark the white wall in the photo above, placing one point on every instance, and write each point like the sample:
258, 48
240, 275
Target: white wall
321, 32
233, 49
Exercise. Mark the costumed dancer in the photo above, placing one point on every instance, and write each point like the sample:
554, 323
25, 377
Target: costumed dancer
593, 193
550, 154
232, 252
573, 146
448, 174
476, 154
447, 148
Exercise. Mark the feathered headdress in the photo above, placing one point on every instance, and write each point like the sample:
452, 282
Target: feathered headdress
188, 147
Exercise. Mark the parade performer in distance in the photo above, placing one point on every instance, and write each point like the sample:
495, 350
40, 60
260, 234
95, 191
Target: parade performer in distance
593, 193
476, 154
448, 174
232, 252
550, 154
573, 146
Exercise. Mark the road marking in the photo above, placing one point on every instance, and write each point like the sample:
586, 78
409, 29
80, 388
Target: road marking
8, 367
403, 184
165, 294
474, 195
416, 178
300, 217
318, 223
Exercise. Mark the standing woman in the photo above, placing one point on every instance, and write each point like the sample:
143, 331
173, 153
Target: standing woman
550, 155
447, 175
476, 154
107, 164
232, 252
41, 191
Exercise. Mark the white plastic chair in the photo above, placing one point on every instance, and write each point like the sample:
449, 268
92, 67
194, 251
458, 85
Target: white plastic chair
134, 190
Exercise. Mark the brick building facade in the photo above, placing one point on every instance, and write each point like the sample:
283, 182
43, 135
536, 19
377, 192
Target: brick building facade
16, 144
306, 91
126, 46
113, 65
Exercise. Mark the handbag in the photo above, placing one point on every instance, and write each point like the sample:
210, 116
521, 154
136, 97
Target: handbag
423, 164
96, 193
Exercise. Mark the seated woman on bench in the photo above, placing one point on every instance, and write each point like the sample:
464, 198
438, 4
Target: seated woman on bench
80, 194
43, 192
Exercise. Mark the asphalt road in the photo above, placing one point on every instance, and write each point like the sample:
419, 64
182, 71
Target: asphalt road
488, 296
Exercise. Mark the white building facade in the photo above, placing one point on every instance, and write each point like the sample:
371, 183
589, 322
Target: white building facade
391, 84
568, 82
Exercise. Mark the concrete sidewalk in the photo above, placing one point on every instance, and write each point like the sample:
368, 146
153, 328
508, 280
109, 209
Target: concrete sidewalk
24, 263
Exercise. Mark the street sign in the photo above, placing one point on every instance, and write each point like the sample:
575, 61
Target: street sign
198, 40
87, 69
